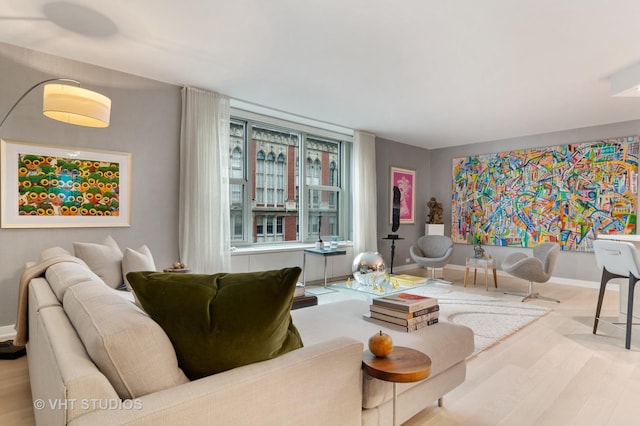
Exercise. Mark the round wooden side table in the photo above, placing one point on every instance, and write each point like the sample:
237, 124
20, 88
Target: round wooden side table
402, 365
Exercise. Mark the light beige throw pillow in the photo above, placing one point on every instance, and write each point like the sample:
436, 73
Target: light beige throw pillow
104, 259
135, 261
128, 347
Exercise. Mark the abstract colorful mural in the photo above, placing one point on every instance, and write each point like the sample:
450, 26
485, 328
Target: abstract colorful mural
568, 194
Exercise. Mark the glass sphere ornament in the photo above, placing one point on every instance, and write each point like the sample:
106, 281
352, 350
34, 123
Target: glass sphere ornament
368, 269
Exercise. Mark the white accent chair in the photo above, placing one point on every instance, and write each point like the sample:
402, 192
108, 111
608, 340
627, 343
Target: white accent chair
432, 251
617, 259
536, 268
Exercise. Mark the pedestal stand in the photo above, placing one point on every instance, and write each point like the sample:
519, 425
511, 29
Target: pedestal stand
393, 238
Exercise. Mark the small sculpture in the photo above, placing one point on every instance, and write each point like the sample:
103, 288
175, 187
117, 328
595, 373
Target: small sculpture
477, 247
478, 251
435, 211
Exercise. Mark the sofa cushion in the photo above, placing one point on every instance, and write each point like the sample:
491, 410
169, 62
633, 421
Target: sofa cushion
128, 347
63, 275
221, 321
104, 259
136, 260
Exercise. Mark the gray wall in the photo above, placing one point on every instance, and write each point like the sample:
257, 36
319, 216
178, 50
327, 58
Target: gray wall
389, 153
145, 121
572, 265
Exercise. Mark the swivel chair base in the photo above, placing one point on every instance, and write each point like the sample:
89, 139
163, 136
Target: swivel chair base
531, 295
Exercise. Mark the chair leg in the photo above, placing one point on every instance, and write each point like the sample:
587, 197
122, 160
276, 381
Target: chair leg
606, 277
632, 286
531, 295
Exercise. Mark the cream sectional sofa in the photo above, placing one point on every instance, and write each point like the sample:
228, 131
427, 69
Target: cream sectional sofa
95, 358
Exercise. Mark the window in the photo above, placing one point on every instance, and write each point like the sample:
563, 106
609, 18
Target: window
237, 179
272, 198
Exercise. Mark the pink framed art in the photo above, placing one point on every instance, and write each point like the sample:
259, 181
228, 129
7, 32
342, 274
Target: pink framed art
405, 180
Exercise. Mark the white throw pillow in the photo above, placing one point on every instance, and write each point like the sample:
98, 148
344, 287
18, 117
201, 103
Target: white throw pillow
136, 260
104, 259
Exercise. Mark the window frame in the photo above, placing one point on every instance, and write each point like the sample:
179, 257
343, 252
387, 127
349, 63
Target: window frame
342, 190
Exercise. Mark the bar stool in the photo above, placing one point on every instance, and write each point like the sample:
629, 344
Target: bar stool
617, 259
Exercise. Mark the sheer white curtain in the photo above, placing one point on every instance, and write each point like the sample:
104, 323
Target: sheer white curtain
365, 203
204, 181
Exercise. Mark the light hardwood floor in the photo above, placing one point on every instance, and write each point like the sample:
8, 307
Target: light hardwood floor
553, 372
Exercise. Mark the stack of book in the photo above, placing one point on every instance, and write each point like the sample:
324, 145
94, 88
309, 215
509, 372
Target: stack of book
407, 280
404, 311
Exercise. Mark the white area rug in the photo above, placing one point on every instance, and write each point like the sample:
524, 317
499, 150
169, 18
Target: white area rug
491, 319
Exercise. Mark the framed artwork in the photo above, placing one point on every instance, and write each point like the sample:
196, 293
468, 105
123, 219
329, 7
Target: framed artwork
57, 187
567, 194
405, 180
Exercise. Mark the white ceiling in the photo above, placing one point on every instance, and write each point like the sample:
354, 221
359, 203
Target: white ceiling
430, 73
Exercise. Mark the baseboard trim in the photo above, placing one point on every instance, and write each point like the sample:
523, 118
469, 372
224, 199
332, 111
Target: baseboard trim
555, 280
7, 332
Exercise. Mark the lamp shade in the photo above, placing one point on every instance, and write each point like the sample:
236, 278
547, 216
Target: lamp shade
75, 105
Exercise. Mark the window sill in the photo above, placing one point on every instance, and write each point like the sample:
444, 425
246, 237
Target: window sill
279, 248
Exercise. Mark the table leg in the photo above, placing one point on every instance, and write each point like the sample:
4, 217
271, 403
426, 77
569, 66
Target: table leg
495, 278
325, 271
475, 273
486, 279
395, 401
304, 269
466, 275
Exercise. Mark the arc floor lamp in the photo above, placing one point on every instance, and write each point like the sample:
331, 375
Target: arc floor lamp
69, 104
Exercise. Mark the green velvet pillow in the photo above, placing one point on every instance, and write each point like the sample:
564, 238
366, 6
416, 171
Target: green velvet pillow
221, 321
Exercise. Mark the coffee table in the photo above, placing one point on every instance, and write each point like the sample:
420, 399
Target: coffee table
402, 365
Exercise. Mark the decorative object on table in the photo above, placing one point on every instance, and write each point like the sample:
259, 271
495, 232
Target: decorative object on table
404, 312
369, 269
177, 267
381, 344
404, 180
406, 302
435, 211
408, 280
477, 247
57, 187
395, 210
537, 268
512, 205
432, 251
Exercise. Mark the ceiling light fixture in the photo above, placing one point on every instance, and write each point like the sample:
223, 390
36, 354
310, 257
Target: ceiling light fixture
70, 104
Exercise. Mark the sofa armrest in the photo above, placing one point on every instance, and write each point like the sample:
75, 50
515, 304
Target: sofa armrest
315, 385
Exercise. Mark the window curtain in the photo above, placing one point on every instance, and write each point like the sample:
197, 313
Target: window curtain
204, 235
365, 205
